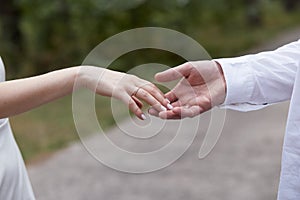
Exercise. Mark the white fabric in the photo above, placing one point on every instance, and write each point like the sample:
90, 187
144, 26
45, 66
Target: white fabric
253, 81
14, 181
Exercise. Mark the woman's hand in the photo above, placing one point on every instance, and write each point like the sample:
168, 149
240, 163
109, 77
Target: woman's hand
25, 94
125, 87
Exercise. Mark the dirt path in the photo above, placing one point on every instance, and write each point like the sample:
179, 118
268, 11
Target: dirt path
245, 163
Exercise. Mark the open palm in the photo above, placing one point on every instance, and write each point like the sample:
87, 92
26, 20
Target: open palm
202, 86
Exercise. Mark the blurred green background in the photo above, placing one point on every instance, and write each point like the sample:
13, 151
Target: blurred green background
38, 36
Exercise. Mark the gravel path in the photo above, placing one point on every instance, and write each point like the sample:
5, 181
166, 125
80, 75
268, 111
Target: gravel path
245, 164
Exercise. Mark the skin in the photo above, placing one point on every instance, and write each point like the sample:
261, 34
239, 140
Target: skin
201, 87
25, 94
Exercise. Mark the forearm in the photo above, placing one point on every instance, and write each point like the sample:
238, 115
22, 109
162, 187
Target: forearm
18, 96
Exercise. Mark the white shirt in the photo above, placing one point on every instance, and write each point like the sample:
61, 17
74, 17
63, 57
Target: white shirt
253, 82
14, 181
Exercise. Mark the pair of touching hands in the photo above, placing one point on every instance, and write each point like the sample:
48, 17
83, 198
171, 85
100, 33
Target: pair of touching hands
201, 86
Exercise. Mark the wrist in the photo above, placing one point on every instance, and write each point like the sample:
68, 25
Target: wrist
88, 76
223, 85
222, 75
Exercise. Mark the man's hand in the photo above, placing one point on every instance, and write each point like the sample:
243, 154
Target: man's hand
202, 87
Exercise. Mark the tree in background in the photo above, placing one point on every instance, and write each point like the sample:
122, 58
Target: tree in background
291, 5
36, 36
254, 12
11, 37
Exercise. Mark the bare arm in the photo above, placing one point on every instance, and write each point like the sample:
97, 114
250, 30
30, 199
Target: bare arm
18, 96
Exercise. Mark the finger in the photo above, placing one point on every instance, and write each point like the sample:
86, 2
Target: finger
144, 95
169, 114
193, 101
132, 105
138, 102
153, 112
202, 101
174, 73
157, 94
171, 96
184, 112
180, 102
152, 87
176, 104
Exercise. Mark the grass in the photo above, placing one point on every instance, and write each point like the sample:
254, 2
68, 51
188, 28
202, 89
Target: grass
50, 128
45, 129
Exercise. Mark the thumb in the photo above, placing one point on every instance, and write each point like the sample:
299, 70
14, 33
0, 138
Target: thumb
174, 73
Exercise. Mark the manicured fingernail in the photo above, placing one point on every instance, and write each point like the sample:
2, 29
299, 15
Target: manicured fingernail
168, 100
163, 108
150, 111
143, 116
170, 106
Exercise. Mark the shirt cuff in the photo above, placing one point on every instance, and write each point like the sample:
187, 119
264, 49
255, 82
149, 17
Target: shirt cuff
239, 80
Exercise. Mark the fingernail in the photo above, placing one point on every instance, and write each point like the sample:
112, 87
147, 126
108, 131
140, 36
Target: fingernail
168, 100
163, 108
150, 111
170, 106
143, 116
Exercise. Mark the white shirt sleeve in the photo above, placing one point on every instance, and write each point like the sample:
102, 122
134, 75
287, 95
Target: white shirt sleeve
254, 81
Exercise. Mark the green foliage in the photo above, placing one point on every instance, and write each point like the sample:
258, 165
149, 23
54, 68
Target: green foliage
59, 33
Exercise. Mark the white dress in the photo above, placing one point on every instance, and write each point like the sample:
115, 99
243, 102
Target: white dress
14, 181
